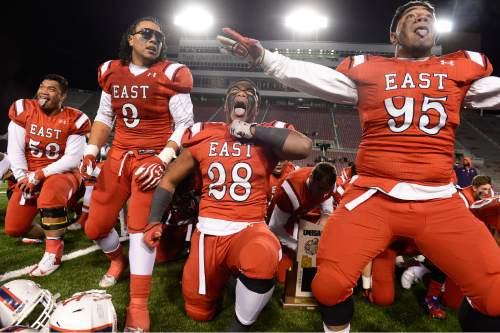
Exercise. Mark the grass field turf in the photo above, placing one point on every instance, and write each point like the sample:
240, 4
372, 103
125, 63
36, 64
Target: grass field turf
166, 303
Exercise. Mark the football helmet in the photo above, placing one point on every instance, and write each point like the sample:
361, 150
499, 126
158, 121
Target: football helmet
87, 311
18, 298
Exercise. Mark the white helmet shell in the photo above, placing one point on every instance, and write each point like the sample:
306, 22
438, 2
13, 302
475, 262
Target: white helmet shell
87, 311
18, 298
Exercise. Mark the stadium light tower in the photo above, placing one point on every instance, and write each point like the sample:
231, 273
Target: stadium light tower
444, 25
306, 20
194, 19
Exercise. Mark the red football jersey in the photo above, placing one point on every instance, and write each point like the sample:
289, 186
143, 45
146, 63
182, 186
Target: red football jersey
141, 103
235, 173
46, 136
409, 111
294, 196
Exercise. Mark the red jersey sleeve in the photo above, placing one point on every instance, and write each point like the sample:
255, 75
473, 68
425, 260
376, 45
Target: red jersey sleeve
183, 80
192, 138
19, 111
282, 200
103, 74
80, 123
468, 66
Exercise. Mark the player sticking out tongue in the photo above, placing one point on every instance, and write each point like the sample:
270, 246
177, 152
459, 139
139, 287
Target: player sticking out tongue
241, 101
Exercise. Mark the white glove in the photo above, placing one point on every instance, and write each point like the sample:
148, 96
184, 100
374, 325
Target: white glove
240, 129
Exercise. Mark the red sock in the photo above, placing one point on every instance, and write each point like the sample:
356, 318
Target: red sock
118, 262
137, 311
434, 289
54, 245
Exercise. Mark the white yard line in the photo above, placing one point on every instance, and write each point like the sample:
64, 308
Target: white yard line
70, 256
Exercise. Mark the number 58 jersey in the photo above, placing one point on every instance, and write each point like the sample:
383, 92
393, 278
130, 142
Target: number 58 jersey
46, 136
235, 173
409, 110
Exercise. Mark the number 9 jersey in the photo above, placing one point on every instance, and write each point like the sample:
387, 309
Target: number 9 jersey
409, 110
46, 137
142, 102
235, 173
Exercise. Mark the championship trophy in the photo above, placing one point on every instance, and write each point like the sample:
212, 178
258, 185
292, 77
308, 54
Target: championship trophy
298, 279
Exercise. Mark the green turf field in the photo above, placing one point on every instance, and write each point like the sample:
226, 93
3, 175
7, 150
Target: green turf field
166, 304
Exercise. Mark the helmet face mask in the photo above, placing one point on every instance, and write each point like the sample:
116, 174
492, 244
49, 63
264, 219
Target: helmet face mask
18, 299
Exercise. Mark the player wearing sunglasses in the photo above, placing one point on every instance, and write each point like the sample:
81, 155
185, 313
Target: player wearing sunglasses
146, 98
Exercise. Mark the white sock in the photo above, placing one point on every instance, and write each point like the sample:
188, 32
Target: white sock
345, 330
109, 243
367, 282
141, 257
249, 304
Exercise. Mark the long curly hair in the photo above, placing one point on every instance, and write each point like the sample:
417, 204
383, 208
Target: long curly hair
125, 52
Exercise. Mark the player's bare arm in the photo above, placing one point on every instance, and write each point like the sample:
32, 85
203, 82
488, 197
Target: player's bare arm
177, 171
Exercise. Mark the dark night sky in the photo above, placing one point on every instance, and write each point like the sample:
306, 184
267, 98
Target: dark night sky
73, 38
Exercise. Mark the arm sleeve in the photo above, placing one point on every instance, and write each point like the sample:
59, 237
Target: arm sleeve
326, 207
105, 112
16, 150
181, 109
75, 145
484, 93
314, 79
279, 219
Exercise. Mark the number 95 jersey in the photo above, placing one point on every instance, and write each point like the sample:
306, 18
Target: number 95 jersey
46, 136
409, 110
235, 173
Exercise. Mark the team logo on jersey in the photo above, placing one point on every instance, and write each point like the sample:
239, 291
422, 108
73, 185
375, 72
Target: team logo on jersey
451, 62
153, 75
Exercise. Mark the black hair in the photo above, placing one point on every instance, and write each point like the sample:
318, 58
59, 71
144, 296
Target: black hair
232, 84
403, 8
125, 52
63, 83
325, 170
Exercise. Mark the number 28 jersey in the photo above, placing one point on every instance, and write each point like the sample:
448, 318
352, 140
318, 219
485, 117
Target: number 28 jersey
140, 103
46, 136
235, 173
409, 110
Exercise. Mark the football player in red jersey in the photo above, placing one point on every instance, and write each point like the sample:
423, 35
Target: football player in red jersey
409, 109
300, 193
279, 174
231, 237
147, 98
46, 143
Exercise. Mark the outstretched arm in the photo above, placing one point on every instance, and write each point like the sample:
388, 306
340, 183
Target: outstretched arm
314, 79
287, 144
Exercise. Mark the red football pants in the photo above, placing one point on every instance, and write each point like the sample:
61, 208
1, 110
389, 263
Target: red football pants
112, 191
254, 252
444, 230
56, 191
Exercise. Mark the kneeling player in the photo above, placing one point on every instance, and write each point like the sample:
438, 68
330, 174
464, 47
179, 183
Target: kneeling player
231, 236
46, 143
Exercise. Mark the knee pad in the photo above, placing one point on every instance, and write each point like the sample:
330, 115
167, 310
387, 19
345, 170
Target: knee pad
259, 286
338, 314
471, 320
330, 286
55, 218
254, 263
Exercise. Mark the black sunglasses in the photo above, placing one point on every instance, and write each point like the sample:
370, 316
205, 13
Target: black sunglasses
147, 34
